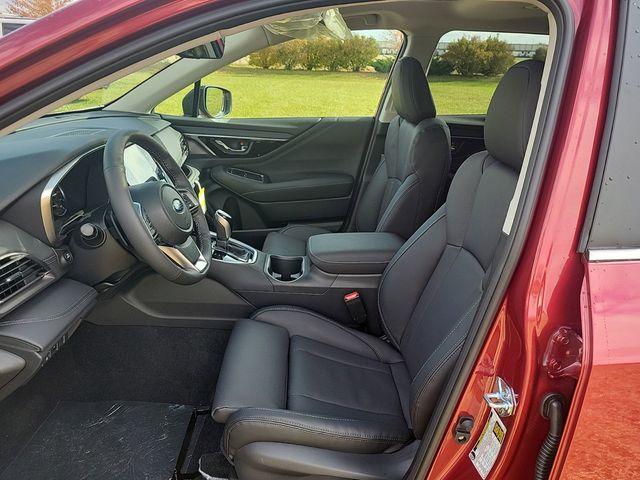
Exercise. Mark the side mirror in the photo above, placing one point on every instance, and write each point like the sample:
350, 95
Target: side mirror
213, 102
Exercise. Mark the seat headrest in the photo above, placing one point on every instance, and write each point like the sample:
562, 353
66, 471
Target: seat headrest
410, 91
510, 116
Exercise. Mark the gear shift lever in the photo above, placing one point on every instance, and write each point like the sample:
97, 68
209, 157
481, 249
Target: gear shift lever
223, 229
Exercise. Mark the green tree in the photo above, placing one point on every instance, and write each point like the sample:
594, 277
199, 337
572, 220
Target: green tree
265, 58
466, 55
312, 54
358, 52
497, 57
289, 54
383, 64
440, 66
332, 55
540, 54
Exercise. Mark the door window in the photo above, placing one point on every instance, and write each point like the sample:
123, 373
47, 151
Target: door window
467, 66
306, 78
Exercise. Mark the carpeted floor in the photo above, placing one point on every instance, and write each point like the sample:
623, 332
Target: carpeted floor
160, 366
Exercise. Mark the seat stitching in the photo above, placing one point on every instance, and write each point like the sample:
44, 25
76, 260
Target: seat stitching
395, 260
341, 362
285, 308
462, 318
393, 377
78, 303
357, 225
429, 379
395, 201
339, 262
376, 412
319, 430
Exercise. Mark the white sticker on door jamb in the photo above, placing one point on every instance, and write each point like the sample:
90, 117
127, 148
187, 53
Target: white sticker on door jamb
487, 448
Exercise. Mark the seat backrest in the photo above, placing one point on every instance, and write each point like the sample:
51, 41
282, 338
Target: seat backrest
431, 289
409, 181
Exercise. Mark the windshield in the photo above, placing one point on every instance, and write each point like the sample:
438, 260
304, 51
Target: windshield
107, 94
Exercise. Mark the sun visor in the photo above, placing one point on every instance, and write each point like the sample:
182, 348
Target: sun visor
313, 25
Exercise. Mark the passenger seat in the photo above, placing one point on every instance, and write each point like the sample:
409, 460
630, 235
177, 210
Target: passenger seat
408, 182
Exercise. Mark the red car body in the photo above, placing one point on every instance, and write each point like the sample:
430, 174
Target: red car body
554, 286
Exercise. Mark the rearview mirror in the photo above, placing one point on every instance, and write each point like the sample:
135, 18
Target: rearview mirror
212, 102
210, 51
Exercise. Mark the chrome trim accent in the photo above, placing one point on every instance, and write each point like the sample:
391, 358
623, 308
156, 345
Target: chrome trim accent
239, 244
238, 137
613, 254
183, 262
503, 400
45, 196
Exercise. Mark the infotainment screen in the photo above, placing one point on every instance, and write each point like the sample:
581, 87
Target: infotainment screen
140, 167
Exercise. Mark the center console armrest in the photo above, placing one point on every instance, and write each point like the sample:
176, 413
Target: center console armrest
359, 253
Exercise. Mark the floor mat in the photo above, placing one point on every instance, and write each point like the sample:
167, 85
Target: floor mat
104, 440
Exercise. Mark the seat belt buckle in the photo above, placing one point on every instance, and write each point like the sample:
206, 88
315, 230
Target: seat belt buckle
355, 306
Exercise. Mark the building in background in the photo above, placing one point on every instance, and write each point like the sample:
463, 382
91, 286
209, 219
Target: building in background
10, 23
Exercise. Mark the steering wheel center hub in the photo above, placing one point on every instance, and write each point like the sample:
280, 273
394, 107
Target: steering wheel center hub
165, 209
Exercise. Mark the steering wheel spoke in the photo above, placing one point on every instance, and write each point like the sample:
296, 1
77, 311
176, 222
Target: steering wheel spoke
146, 221
190, 199
187, 256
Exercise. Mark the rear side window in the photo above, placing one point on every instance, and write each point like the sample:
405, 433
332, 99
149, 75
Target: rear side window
307, 78
467, 66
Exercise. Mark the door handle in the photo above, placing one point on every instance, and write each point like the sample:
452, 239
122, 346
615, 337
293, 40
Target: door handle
242, 148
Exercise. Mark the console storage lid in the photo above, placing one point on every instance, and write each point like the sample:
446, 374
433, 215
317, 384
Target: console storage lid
362, 253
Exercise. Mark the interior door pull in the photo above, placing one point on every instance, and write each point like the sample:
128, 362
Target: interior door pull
243, 146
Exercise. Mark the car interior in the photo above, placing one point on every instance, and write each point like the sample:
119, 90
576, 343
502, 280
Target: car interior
211, 296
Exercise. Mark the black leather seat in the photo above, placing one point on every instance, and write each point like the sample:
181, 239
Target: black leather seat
408, 183
297, 387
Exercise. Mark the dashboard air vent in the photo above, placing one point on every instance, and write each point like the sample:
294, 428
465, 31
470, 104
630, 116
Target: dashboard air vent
17, 272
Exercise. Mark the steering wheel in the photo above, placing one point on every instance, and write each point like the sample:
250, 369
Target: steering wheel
161, 220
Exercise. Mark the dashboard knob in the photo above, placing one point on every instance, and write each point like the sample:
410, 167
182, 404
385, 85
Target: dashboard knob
88, 230
91, 235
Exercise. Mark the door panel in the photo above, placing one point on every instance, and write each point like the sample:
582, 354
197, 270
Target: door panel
467, 137
270, 172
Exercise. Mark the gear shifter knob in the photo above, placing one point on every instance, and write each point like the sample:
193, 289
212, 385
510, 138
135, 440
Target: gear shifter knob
223, 228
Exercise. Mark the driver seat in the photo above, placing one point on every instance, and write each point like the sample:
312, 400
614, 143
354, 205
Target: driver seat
303, 396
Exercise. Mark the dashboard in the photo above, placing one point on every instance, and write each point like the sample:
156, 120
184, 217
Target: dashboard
77, 189
52, 183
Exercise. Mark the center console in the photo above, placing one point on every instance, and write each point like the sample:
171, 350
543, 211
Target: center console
336, 265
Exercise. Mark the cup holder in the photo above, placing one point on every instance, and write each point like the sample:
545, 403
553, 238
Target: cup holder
285, 269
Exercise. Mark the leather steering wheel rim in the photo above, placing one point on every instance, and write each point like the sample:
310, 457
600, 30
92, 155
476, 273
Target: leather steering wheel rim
178, 263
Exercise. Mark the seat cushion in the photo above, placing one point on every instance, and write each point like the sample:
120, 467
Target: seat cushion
291, 240
326, 380
345, 390
255, 367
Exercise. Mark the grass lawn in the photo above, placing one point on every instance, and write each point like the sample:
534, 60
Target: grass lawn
281, 93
